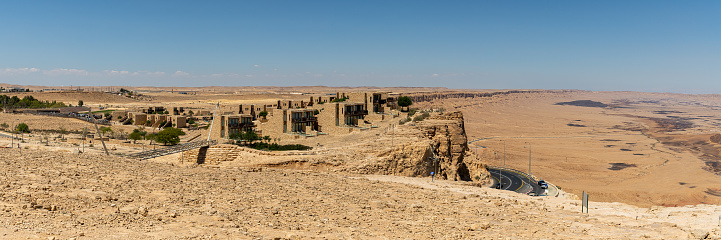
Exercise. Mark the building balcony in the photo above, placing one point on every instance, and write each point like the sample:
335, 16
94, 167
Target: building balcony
240, 125
304, 119
356, 113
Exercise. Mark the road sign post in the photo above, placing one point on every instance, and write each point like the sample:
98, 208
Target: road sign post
584, 202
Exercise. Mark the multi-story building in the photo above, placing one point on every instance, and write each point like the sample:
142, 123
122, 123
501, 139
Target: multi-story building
255, 110
235, 124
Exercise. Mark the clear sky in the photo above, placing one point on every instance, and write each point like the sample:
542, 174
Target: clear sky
593, 45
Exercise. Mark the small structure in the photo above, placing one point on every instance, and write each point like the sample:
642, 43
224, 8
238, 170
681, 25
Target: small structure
154, 110
179, 121
290, 104
178, 111
137, 118
255, 110
158, 120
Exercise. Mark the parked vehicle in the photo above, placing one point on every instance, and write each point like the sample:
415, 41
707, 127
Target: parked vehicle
543, 184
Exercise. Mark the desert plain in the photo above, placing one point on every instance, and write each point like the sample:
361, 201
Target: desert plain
645, 159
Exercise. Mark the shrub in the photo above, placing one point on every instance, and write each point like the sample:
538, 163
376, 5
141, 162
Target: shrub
22, 128
340, 99
412, 112
716, 138
421, 117
248, 136
105, 130
278, 147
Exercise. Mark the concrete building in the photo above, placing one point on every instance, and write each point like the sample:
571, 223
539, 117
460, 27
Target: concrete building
376, 102
179, 121
178, 111
153, 110
288, 122
341, 117
233, 124
289, 104
255, 110
157, 120
136, 118
119, 116
320, 100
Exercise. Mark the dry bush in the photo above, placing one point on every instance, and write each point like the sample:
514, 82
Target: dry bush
716, 138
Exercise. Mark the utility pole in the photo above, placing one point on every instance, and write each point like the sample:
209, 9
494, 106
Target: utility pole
212, 121
529, 159
12, 135
500, 169
98, 131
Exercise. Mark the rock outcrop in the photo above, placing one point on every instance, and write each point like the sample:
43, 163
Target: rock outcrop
440, 146
449, 143
430, 97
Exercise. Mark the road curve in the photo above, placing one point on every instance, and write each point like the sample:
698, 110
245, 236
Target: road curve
513, 180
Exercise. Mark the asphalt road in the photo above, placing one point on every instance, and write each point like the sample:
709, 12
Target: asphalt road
513, 180
5, 135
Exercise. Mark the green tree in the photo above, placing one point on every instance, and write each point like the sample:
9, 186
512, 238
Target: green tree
263, 114
412, 112
267, 138
404, 101
190, 112
105, 130
151, 137
137, 134
80, 103
4, 126
169, 135
22, 128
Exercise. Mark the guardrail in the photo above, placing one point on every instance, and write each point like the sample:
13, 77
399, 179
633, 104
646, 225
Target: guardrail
83, 117
516, 171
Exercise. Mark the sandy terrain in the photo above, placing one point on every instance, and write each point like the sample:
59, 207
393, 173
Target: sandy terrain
63, 195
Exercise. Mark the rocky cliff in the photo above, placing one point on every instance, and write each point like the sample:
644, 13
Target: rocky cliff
438, 144
450, 145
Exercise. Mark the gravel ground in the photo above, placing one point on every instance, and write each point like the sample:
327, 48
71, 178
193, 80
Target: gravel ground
62, 195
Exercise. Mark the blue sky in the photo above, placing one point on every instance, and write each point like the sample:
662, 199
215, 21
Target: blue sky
594, 45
